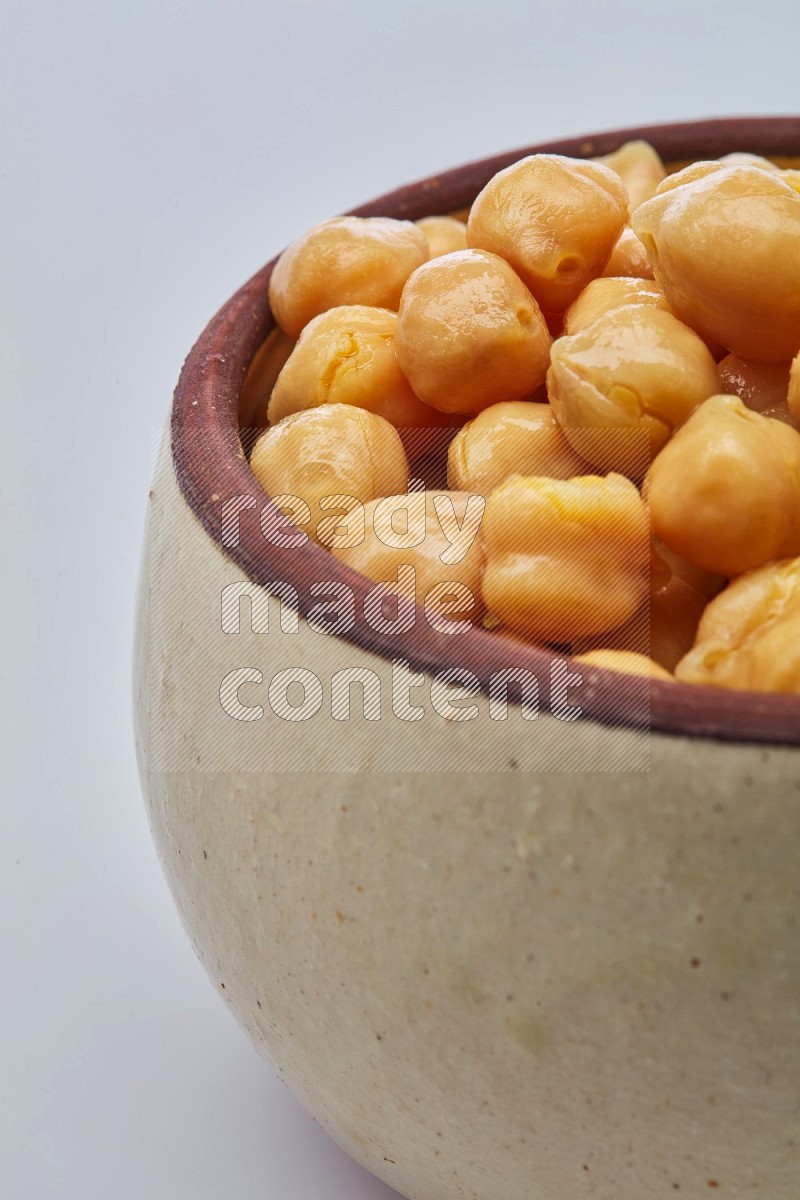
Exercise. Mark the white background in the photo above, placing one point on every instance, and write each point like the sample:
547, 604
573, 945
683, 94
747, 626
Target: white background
153, 156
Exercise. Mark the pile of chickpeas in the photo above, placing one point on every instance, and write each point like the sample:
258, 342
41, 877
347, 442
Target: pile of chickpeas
601, 355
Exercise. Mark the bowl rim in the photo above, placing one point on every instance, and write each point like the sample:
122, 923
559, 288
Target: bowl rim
211, 466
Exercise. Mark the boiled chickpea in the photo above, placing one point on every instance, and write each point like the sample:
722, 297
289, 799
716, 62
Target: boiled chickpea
334, 452
690, 174
268, 362
725, 249
518, 437
706, 583
604, 295
663, 629
623, 384
565, 558
469, 333
348, 260
749, 636
640, 168
443, 235
724, 493
554, 219
347, 356
740, 158
628, 258
437, 534
625, 661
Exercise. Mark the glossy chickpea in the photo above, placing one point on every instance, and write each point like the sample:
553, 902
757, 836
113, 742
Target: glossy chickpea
604, 295
332, 458
740, 158
725, 491
347, 356
554, 219
565, 558
640, 168
268, 362
435, 534
725, 248
665, 625
516, 438
621, 386
470, 334
663, 629
749, 636
628, 258
627, 662
348, 260
706, 583
443, 235
689, 174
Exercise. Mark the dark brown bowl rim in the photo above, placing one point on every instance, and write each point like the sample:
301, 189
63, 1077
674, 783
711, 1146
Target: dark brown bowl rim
211, 466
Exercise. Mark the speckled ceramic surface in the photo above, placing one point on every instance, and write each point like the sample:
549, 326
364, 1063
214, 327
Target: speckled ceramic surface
488, 971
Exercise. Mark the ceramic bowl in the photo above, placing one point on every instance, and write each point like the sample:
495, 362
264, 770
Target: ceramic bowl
547, 951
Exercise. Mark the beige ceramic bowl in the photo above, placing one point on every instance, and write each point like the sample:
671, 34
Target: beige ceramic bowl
497, 959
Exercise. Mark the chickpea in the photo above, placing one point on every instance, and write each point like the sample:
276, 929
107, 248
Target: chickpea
625, 661
348, 260
706, 583
554, 219
749, 636
724, 493
443, 235
421, 531
793, 393
518, 437
662, 629
628, 258
347, 356
565, 558
689, 174
640, 168
740, 158
763, 387
268, 362
332, 451
604, 295
623, 384
470, 334
725, 248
